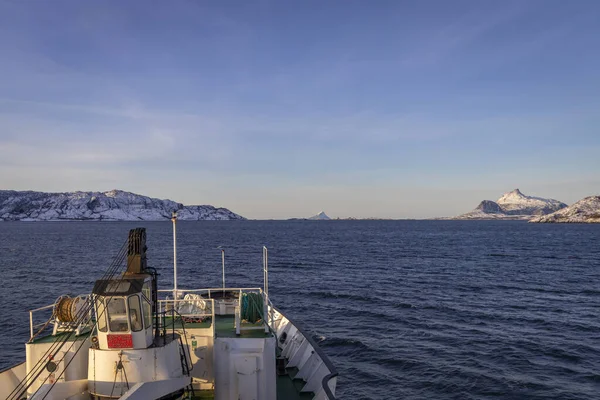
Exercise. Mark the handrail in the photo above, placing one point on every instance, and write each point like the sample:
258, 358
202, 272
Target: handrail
186, 341
178, 301
33, 326
210, 290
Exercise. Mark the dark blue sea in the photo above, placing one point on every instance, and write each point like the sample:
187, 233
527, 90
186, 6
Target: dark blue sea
404, 309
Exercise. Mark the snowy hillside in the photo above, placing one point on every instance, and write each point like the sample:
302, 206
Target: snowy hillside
513, 205
586, 210
320, 216
516, 203
115, 205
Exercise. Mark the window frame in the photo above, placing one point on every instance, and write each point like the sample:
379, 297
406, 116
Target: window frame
109, 316
138, 310
101, 314
146, 304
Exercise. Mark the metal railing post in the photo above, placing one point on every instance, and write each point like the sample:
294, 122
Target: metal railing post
223, 265
266, 269
30, 324
272, 318
265, 313
212, 316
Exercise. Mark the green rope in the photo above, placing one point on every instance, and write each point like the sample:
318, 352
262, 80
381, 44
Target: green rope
252, 307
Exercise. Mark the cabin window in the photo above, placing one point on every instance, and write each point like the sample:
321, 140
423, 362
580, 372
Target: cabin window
146, 305
117, 315
101, 314
135, 313
117, 287
147, 315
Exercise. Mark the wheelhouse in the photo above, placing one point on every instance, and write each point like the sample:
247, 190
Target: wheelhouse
124, 312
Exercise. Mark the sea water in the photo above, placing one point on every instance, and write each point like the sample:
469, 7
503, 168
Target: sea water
404, 309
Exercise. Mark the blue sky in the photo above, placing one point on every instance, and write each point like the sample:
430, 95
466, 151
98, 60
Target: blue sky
276, 109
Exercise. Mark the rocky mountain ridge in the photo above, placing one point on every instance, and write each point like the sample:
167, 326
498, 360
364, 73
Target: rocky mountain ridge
114, 205
513, 205
586, 210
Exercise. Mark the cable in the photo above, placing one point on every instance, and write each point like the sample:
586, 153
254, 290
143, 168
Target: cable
82, 343
114, 382
20, 389
59, 342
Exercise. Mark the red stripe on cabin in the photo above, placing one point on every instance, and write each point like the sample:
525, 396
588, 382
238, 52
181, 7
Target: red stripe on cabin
119, 341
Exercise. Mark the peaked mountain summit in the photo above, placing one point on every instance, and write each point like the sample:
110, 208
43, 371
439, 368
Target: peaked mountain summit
514, 205
320, 216
114, 205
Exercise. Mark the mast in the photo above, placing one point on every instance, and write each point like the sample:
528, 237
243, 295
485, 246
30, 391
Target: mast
266, 270
174, 219
223, 265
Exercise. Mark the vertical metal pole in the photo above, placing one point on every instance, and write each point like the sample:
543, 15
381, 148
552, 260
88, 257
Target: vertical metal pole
174, 219
266, 287
30, 324
266, 270
223, 264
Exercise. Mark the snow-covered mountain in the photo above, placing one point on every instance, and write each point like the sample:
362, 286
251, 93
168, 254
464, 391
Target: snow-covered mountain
586, 210
321, 216
516, 203
115, 205
513, 205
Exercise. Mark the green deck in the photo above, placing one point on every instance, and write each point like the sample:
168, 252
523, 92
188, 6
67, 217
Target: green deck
287, 389
224, 327
61, 336
203, 395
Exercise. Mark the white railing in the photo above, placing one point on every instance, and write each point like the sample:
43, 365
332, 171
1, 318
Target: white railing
39, 326
218, 293
196, 308
211, 291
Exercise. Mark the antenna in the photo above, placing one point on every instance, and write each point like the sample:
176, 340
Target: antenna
174, 219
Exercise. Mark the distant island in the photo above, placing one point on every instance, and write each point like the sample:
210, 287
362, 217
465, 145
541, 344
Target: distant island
324, 217
320, 216
317, 217
114, 205
513, 205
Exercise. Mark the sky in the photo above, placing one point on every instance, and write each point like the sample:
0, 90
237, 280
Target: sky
278, 109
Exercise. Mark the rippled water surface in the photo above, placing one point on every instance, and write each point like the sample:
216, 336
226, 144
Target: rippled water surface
404, 309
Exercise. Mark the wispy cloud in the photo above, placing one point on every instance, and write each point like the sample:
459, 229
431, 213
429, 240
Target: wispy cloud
342, 104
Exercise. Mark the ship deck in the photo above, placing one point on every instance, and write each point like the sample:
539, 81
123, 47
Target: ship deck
224, 327
287, 386
287, 389
67, 336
